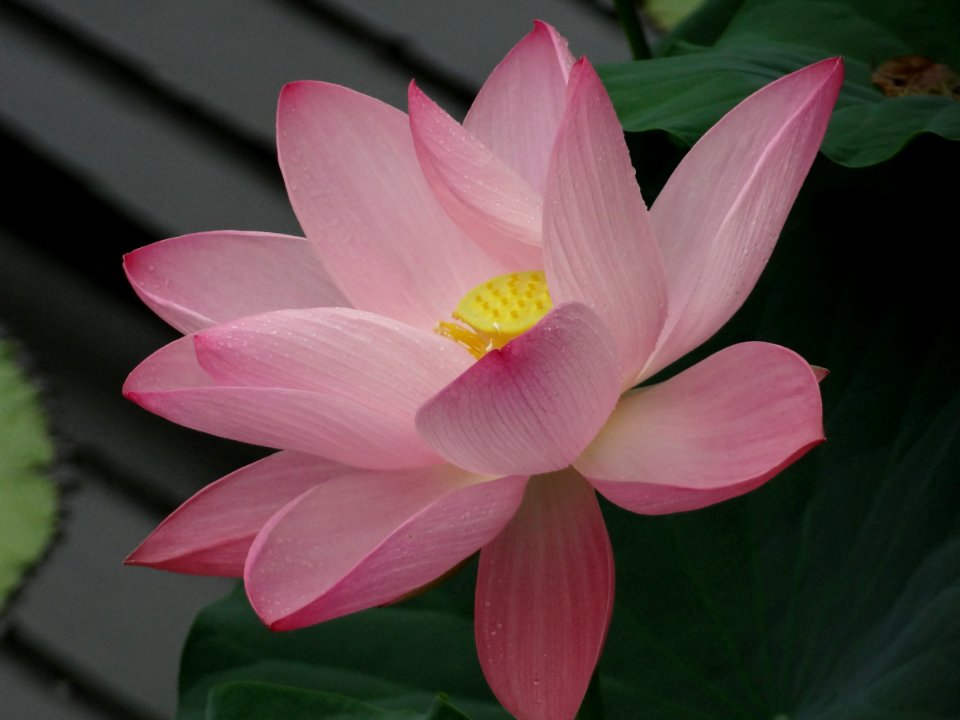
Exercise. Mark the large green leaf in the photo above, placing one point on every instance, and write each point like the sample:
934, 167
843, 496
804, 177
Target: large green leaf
394, 657
241, 700
729, 49
28, 498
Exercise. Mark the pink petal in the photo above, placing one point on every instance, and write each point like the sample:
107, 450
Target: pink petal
532, 406
358, 191
598, 245
485, 197
211, 532
198, 280
171, 367
720, 214
348, 422
544, 599
359, 541
518, 110
715, 431
371, 359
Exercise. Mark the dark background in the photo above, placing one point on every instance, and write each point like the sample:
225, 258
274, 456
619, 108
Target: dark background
122, 123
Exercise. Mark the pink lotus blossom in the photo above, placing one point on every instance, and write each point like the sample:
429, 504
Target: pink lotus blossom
410, 438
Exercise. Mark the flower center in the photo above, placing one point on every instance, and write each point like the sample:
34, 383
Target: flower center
498, 310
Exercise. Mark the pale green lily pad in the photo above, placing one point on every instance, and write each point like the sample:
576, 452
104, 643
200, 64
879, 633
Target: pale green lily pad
729, 49
28, 498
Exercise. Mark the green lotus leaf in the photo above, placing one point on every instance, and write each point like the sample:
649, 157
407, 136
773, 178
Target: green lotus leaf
727, 50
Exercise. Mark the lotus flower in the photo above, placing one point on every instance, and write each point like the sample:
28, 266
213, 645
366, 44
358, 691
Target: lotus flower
449, 361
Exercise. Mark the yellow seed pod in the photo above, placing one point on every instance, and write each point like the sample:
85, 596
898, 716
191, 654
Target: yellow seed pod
499, 310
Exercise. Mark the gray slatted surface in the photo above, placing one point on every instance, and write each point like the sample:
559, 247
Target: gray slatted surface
124, 122
470, 38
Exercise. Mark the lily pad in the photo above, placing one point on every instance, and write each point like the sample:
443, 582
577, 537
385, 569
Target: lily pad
28, 498
728, 49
